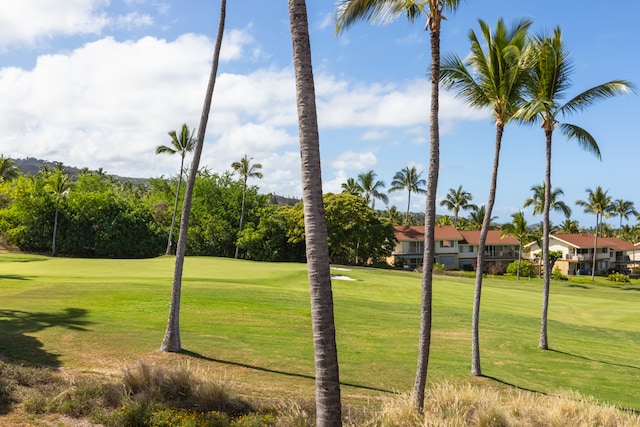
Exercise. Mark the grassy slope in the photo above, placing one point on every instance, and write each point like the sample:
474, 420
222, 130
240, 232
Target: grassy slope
104, 314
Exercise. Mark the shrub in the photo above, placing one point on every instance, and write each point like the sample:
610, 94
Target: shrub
557, 275
495, 269
526, 268
619, 278
439, 266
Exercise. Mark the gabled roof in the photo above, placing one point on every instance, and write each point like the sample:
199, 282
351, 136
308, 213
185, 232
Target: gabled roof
416, 232
449, 232
472, 237
579, 240
618, 244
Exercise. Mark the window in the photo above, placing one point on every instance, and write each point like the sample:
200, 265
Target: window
416, 247
447, 243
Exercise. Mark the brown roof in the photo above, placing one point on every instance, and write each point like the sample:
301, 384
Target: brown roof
618, 244
449, 232
472, 237
416, 232
579, 240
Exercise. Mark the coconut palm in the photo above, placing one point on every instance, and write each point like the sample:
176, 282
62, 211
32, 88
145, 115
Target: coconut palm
58, 183
568, 226
382, 11
456, 200
519, 229
623, 208
598, 203
352, 187
537, 201
180, 144
371, 188
392, 214
245, 170
493, 78
408, 179
171, 340
328, 407
550, 78
8, 169
476, 218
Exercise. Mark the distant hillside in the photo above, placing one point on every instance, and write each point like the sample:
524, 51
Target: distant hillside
31, 166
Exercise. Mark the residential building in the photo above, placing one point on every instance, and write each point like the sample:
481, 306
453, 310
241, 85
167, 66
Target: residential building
456, 249
578, 253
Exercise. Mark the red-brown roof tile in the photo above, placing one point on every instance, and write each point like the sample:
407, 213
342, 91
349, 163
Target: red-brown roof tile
472, 237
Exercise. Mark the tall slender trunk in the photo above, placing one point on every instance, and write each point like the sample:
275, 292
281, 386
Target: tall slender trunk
486, 222
519, 259
544, 341
171, 341
408, 207
244, 195
595, 248
424, 340
328, 406
55, 230
175, 210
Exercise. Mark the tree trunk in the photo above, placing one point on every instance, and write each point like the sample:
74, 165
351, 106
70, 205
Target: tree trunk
328, 406
244, 195
175, 210
171, 341
595, 248
424, 340
55, 231
544, 342
486, 222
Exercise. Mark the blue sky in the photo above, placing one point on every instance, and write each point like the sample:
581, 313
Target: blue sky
99, 83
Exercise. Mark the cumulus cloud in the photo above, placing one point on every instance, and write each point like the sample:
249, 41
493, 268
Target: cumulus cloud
28, 22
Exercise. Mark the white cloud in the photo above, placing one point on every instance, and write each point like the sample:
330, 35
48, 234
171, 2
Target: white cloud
352, 161
28, 22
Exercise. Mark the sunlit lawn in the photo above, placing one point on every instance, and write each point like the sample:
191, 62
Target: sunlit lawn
250, 322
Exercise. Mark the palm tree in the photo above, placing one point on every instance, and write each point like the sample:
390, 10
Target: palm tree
352, 187
182, 145
409, 179
328, 406
171, 341
598, 203
495, 79
519, 229
477, 216
371, 188
623, 208
549, 80
246, 171
569, 226
58, 183
456, 200
350, 11
537, 201
8, 169
392, 214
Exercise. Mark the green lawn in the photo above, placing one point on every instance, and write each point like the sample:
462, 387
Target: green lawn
251, 322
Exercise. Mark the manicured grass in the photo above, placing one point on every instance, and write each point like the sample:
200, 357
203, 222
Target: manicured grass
250, 322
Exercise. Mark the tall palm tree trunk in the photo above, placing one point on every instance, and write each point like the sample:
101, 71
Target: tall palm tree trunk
486, 222
328, 406
171, 341
595, 248
424, 340
175, 210
408, 207
244, 195
55, 230
544, 342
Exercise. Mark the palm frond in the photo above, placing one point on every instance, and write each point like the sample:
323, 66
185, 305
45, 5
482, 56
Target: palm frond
584, 138
595, 94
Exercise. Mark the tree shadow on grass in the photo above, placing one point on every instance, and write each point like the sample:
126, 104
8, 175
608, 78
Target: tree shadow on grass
590, 359
273, 371
17, 327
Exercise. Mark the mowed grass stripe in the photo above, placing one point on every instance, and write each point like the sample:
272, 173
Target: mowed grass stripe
103, 314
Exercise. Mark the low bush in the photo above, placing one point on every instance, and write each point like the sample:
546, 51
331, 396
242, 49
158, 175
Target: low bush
619, 278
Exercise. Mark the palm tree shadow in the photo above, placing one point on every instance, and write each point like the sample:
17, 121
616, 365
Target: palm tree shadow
273, 371
594, 360
17, 327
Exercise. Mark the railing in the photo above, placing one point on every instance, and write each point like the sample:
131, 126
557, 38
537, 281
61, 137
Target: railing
501, 254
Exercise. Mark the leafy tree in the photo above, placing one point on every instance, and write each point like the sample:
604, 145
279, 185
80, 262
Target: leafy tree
350, 11
408, 179
521, 268
371, 188
598, 203
245, 170
8, 169
490, 79
328, 407
456, 200
550, 78
623, 208
182, 144
171, 340
537, 200
519, 229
